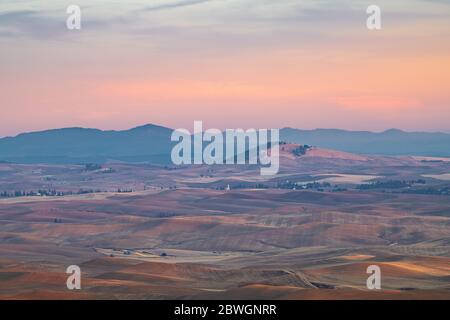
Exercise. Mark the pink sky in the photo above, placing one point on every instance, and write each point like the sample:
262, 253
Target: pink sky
212, 62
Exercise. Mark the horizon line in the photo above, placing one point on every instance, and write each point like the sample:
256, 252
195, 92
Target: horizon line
169, 128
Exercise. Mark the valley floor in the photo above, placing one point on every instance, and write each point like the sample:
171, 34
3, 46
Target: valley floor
309, 233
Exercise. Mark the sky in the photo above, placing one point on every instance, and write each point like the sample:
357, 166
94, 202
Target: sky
230, 63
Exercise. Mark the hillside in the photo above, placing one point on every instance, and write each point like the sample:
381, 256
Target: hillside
79, 145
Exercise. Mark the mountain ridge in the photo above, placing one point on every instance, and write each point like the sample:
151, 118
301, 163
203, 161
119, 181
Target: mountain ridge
389, 142
151, 143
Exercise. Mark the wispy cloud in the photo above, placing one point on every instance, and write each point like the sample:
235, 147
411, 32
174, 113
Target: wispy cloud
29, 22
45, 24
175, 4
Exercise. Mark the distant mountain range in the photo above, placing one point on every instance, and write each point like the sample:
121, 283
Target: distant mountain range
390, 142
151, 143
